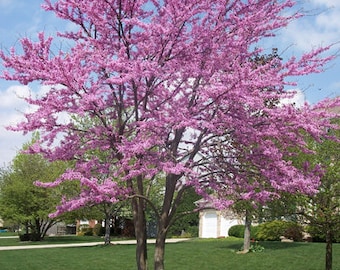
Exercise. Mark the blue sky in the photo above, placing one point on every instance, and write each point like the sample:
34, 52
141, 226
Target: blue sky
19, 18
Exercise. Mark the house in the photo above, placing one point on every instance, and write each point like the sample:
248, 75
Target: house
215, 223
61, 228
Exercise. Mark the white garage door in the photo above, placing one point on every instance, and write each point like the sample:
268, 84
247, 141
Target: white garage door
209, 225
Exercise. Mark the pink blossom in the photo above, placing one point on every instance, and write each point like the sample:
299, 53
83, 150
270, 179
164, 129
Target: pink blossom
152, 87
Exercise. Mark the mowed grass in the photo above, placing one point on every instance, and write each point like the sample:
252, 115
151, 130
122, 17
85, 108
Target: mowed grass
196, 254
5, 234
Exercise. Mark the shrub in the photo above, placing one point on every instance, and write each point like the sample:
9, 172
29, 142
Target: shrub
88, 232
273, 230
294, 232
30, 237
253, 232
24, 237
193, 231
238, 231
97, 230
85, 230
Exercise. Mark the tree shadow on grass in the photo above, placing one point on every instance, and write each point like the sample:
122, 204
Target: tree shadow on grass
270, 245
70, 239
281, 245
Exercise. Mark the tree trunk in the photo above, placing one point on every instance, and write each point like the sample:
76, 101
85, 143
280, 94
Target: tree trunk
140, 232
107, 239
160, 245
37, 232
168, 211
247, 228
329, 253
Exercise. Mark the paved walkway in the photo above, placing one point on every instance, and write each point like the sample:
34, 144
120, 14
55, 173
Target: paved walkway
123, 242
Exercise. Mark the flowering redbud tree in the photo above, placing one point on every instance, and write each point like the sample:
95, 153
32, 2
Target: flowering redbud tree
159, 82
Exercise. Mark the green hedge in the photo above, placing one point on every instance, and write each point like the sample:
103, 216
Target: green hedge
238, 231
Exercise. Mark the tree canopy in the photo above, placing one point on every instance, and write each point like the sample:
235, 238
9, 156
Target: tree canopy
321, 210
161, 82
24, 203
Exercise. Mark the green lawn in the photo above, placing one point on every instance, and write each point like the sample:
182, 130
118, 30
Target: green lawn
5, 234
191, 255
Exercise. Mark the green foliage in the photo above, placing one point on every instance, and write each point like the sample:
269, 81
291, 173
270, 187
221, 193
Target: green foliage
253, 231
294, 232
318, 234
273, 230
85, 230
322, 209
256, 247
186, 219
192, 231
238, 231
98, 230
284, 207
21, 202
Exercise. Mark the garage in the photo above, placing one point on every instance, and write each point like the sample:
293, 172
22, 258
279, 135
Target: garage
209, 225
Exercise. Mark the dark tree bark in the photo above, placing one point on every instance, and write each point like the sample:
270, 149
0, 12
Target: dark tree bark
107, 238
140, 231
160, 247
139, 219
329, 250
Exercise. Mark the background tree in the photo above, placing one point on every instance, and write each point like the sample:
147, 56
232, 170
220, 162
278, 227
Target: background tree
186, 219
321, 211
160, 80
24, 203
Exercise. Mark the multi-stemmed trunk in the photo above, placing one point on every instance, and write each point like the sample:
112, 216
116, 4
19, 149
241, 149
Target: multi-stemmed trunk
163, 220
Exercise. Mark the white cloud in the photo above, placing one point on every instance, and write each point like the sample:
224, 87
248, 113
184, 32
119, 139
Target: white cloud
11, 112
298, 100
10, 143
12, 109
320, 26
13, 96
329, 20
